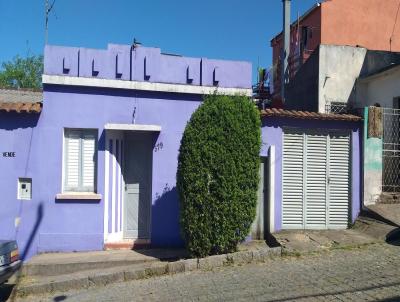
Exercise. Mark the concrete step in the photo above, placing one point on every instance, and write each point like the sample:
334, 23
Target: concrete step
53, 264
389, 198
32, 285
73, 267
386, 213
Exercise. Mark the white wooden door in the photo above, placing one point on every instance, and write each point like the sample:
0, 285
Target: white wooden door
315, 180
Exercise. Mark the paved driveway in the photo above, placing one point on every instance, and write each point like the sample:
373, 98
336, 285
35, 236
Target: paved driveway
367, 274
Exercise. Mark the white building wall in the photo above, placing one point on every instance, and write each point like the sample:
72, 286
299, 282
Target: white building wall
339, 68
381, 88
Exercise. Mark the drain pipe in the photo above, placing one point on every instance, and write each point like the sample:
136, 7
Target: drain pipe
286, 47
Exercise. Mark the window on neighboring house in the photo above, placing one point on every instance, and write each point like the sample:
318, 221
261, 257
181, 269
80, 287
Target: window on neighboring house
80, 158
304, 37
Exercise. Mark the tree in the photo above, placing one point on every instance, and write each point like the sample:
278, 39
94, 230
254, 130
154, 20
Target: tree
218, 174
22, 72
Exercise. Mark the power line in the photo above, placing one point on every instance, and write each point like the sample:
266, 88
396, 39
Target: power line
47, 9
394, 26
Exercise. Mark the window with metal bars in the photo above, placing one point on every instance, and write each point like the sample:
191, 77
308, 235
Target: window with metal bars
336, 107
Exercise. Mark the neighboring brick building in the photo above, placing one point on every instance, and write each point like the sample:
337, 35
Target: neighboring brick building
366, 23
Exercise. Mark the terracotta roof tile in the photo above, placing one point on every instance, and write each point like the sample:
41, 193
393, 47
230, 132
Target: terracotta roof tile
37, 107
309, 115
21, 107
21, 100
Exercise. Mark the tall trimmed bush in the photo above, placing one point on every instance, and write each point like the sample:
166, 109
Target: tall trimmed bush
218, 174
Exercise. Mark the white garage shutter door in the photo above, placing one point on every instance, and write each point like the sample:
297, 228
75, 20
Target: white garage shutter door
339, 176
293, 147
315, 186
315, 180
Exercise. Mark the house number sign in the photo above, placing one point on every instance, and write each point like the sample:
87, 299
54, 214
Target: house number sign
8, 154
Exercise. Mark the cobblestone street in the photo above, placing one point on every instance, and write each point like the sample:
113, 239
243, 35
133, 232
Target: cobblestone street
366, 274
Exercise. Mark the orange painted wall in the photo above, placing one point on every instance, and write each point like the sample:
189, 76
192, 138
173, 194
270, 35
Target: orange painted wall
367, 23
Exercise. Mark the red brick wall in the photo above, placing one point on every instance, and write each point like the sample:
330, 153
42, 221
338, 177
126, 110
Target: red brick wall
313, 22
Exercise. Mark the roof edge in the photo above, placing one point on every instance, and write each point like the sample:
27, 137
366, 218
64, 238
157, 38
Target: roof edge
273, 112
22, 89
20, 107
381, 72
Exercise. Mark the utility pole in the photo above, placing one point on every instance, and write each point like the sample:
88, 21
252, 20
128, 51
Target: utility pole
47, 9
286, 48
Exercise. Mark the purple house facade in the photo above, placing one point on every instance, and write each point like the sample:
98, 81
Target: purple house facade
94, 166
97, 166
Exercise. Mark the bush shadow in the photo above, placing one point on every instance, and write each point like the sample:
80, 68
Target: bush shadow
166, 241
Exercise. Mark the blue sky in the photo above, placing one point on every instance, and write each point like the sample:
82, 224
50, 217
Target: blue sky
223, 29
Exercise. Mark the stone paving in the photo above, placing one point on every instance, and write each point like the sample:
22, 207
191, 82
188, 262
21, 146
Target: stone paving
370, 273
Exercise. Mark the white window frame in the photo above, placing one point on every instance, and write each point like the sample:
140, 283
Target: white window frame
80, 188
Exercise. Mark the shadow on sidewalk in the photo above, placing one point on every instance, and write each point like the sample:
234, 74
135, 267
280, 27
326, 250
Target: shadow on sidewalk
368, 213
171, 254
393, 237
271, 241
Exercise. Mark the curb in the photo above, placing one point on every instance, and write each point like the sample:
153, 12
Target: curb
65, 268
153, 269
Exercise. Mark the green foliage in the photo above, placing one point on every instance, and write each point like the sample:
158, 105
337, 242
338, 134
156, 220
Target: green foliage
22, 72
218, 174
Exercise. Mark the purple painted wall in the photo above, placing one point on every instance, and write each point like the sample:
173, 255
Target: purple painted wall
78, 225
18, 133
272, 134
48, 224
93, 108
121, 62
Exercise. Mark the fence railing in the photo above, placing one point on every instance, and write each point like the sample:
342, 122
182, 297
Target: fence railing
391, 150
336, 107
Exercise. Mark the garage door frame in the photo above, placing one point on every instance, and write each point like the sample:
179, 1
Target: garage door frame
328, 133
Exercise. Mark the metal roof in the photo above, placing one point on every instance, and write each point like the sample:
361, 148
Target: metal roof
385, 70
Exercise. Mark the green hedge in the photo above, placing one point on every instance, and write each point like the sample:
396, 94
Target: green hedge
218, 174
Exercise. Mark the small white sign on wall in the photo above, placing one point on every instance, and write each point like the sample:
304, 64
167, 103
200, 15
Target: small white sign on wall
25, 188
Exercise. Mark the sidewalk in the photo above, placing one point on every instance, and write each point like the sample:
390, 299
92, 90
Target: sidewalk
64, 271
376, 224
52, 264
